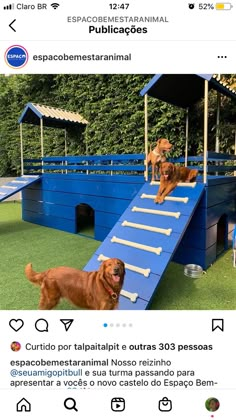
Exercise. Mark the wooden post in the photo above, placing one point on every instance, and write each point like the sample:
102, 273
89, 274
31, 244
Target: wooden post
21, 150
186, 137
41, 138
205, 132
235, 149
146, 135
217, 145
65, 149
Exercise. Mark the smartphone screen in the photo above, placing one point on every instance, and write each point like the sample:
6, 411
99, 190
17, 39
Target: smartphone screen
117, 209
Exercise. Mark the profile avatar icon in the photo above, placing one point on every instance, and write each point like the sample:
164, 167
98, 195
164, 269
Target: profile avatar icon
212, 404
15, 346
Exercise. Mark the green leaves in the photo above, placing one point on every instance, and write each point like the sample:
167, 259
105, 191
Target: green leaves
115, 110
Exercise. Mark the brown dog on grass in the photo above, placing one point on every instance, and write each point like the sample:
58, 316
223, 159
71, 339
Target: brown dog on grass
170, 176
157, 155
92, 290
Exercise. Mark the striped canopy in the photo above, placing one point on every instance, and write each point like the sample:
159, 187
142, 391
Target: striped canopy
52, 117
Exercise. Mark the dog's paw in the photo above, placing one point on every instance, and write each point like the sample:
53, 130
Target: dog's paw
157, 200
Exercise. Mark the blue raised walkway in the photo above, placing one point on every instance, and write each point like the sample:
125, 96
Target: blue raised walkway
16, 185
159, 245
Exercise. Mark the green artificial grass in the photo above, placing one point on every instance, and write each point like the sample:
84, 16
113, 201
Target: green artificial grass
22, 242
215, 290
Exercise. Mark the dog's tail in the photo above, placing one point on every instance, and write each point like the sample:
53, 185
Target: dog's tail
36, 278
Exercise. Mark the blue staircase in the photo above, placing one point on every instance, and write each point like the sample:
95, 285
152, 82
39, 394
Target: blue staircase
145, 238
16, 185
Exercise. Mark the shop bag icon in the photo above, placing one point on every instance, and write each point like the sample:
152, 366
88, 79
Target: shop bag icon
165, 404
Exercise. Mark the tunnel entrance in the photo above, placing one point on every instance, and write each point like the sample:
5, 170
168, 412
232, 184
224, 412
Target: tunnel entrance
222, 235
85, 220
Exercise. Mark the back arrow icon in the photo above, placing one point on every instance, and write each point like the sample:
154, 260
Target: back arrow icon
10, 25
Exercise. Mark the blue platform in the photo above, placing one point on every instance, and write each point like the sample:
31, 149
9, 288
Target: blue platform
159, 246
16, 185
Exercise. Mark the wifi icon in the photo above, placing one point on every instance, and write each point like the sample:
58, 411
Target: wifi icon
55, 5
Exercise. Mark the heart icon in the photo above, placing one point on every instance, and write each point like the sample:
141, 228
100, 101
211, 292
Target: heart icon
16, 324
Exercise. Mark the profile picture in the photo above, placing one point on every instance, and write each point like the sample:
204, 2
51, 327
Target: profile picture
15, 346
212, 404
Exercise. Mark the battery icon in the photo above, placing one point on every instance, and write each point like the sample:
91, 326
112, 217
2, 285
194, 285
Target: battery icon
224, 6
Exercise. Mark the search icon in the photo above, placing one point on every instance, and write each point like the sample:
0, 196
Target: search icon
70, 404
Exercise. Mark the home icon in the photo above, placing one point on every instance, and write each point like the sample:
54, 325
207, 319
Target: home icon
23, 405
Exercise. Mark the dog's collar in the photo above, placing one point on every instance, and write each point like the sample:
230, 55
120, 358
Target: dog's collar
111, 292
156, 154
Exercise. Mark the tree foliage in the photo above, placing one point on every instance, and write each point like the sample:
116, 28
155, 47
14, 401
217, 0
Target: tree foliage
115, 110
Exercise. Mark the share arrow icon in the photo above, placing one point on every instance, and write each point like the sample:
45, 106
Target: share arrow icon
67, 323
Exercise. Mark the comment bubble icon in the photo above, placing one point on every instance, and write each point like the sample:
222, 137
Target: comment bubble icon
41, 325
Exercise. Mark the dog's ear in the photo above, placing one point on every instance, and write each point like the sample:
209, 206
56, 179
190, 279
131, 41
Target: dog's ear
193, 175
123, 270
173, 168
102, 269
158, 142
123, 266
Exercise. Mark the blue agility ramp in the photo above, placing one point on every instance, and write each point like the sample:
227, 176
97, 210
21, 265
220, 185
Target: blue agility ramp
16, 185
146, 237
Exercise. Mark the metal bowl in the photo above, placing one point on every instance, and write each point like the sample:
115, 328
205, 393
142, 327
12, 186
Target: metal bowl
192, 270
